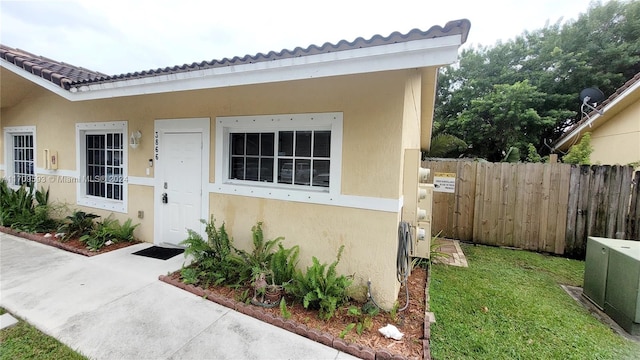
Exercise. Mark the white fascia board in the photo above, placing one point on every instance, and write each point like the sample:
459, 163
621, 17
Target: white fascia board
576, 131
406, 55
596, 117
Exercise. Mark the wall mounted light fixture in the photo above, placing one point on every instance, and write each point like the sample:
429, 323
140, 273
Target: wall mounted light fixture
134, 140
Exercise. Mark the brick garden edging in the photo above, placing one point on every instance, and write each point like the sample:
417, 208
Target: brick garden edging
363, 352
426, 340
47, 241
52, 241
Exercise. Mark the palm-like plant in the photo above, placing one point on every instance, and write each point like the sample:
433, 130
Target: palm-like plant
77, 225
446, 145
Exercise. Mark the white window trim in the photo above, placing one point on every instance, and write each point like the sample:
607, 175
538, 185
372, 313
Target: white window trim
264, 123
8, 150
81, 157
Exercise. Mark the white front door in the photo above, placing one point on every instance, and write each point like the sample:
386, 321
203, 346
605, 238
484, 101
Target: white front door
180, 181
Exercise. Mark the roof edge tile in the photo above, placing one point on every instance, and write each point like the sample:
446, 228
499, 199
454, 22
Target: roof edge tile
67, 76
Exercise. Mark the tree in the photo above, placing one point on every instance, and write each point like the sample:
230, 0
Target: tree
532, 154
600, 48
446, 145
580, 153
501, 119
512, 156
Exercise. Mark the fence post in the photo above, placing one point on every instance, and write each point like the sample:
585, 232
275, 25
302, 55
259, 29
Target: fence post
572, 209
563, 208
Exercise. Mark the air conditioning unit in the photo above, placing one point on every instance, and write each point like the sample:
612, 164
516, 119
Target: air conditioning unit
612, 280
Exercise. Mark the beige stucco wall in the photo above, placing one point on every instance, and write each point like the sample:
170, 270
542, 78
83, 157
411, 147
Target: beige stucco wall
381, 119
369, 237
618, 140
411, 118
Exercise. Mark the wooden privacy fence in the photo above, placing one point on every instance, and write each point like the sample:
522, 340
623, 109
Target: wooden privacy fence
541, 207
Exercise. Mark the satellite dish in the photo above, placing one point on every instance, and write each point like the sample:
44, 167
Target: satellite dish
591, 95
590, 98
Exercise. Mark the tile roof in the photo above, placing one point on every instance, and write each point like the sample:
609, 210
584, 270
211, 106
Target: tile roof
621, 90
59, 73
67, 76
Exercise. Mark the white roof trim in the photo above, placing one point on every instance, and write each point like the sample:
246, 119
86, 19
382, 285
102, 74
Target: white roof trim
596, 117
404, 55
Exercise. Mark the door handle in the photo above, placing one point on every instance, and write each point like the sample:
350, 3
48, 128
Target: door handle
165, 198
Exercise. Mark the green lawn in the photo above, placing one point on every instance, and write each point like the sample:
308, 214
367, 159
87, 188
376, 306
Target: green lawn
508, 305
24, 341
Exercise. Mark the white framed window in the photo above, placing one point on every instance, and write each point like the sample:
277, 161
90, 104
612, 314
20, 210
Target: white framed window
301, 152
20, 158
101, 156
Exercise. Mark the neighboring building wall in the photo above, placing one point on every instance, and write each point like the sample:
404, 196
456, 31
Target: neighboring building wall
618, 140
381, 113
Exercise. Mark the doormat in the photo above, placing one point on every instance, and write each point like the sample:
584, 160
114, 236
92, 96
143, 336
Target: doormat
161, 253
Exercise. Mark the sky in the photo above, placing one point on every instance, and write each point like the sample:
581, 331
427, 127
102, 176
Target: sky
118, 37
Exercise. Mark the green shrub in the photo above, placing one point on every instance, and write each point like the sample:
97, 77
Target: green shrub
100, 234
77, 225
318, 289
283, 264
116, 232
284, 311
189, 275
580, 153
259, 259
512, 155
278, 266
346, 330
109, 230
216, 260
17, 205
362, 319
532, 154
25, 209
93, 243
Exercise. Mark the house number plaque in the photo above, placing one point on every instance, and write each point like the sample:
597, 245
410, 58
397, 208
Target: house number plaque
155, 145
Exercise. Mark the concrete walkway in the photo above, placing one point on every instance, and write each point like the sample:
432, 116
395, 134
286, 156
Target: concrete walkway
112, 306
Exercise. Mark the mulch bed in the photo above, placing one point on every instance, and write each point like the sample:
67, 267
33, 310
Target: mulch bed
412, 322
370, 345
71, 245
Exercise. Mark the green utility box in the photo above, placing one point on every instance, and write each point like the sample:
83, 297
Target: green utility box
595, 272
612, 280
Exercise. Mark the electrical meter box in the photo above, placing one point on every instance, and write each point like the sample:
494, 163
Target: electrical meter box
417, 204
